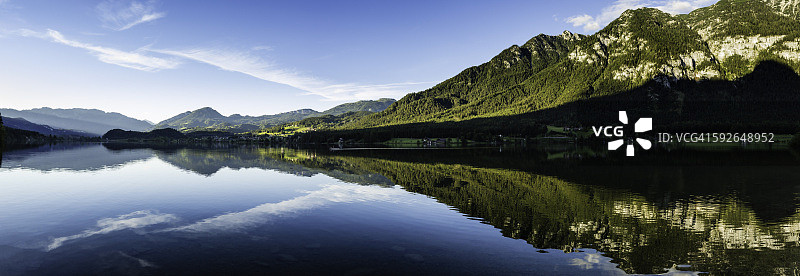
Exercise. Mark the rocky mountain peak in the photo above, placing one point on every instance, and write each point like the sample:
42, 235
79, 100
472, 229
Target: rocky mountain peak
569, 36
790, 8
740, 32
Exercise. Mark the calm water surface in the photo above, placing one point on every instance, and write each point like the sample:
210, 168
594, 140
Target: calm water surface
121, 210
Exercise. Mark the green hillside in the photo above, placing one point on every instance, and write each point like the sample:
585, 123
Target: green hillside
640, 47
467, 89
370, 106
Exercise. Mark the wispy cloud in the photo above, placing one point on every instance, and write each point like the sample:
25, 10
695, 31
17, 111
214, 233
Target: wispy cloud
591, 23
138, 59
150, 59
121, 15
134, 220
588, 22
262, 48
246, 63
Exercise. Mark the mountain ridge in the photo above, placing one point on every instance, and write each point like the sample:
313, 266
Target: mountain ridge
93, 121
207, 118
22, 124
641, 45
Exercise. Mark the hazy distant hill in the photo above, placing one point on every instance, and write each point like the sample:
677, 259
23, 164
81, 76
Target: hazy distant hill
97, 116
19, 123
209, 119
96, 122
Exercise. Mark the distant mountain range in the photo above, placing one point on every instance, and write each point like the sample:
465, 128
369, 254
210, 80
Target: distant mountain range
19, 123
93, 122
90, 121
209, 119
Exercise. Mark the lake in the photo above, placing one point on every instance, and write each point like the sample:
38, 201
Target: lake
111, 209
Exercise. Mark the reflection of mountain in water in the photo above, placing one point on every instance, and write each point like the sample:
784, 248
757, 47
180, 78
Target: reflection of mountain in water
715, 231
77, 157
726, 213
201, 160
762, 179
209, 161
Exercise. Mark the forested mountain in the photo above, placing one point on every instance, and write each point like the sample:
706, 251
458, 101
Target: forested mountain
642, 48
201, 116
209, 119
319, 122
93, 121
370, 106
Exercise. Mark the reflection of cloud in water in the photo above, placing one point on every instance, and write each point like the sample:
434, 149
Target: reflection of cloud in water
262, 213
589, 261
132, 220
596, 261
142, 262
330, 194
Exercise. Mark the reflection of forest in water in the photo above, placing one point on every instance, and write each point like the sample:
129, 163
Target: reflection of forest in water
648, 216
713, 231
722, 212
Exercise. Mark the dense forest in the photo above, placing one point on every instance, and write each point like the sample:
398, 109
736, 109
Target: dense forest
360, 106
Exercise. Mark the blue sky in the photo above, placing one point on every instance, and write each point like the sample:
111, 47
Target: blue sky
154, 59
